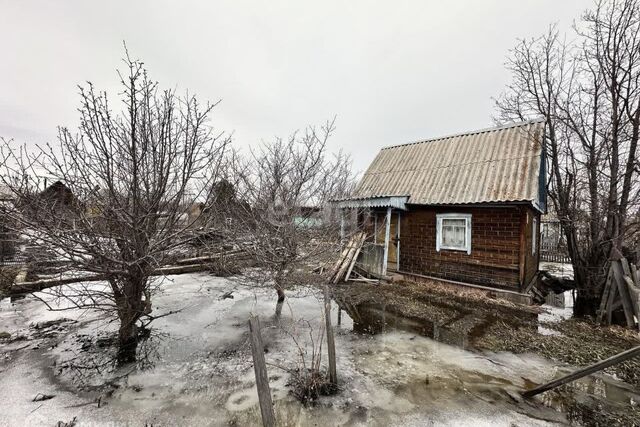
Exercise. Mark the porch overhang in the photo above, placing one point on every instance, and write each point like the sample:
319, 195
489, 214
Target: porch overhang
395, 202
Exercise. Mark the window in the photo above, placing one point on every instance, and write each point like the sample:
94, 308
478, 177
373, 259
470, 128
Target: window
534, 236
453, 232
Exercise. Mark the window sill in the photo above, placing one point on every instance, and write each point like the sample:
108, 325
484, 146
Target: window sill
445, 248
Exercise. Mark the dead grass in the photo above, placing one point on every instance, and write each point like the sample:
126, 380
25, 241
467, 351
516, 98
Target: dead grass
514, 328
432, 302
307, 385
581, 343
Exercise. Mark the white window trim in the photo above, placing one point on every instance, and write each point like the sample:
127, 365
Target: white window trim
439, 218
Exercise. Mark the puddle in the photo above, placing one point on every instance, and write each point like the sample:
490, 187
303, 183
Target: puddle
458, 328
392, 370
580, 400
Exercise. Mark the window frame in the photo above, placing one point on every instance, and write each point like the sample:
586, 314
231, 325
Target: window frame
467, 218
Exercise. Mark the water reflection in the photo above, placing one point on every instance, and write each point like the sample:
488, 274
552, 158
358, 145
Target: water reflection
458, 328
581, 400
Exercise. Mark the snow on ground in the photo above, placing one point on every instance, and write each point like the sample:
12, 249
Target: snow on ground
557, 269
201, 371
551, 313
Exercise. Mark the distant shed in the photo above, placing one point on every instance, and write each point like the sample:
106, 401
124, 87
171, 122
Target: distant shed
464, 208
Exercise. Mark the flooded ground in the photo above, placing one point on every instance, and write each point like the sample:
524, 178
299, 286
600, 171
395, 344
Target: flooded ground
393, 370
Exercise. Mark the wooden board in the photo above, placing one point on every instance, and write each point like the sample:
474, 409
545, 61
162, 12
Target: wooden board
623, 291
605, 297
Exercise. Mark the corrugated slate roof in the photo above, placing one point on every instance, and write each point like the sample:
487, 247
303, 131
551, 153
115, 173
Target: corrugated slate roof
502, 164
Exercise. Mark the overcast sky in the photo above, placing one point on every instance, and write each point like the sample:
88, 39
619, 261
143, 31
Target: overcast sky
391, 72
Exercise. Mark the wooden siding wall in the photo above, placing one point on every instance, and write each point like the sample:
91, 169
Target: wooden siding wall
495, 246
530, 259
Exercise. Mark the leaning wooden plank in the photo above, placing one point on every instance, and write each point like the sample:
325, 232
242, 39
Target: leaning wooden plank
340, 260
623, 291
634, 275
614, 360
343, 260
355, 258
335, 277
626, 268
347, 263
357, 244
613, 303
605, 297
634, 292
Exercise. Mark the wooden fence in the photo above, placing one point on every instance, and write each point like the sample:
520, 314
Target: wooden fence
552, 246
14, 259
555, 256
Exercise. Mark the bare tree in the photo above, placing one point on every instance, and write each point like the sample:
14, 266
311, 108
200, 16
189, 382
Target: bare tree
118, 208
588, 92
286, 218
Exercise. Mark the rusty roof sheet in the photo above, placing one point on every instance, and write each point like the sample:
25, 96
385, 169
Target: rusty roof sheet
503, 164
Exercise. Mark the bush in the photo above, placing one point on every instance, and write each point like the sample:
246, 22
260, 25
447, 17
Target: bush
307, 385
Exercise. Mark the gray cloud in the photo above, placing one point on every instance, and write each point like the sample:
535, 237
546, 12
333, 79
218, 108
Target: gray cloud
391, 71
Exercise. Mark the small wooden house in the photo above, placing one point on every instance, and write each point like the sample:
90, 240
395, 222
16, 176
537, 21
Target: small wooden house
464, 208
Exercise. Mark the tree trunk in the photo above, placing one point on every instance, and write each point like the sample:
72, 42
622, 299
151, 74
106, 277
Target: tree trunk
130, 309
280, 292
589, 281
127, 341
585, 304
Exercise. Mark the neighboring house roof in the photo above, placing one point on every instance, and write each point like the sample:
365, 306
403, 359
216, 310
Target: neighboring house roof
5, 193
502, 164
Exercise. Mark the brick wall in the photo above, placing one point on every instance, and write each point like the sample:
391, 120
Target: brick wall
495, 246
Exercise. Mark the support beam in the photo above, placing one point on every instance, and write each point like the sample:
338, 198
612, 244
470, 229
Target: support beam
375, 227
387, 233
398, 244
342, 228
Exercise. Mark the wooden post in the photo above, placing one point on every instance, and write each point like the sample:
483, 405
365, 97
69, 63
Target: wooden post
614, 360
260, 368
331, 345
387, 232
342, 226
398, 244
375, 227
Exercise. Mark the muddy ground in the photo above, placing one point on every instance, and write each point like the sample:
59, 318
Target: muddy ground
396, 366
483, 324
